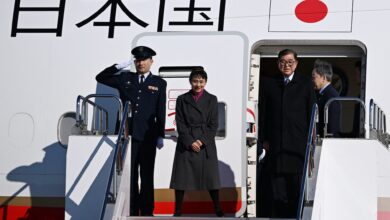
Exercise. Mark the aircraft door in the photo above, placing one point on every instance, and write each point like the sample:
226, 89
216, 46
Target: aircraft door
224, 57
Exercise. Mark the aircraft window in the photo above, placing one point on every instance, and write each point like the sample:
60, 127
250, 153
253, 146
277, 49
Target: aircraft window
176, 71
221, 131
21, 129
177, 84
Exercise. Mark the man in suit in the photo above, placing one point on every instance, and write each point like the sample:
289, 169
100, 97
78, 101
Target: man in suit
285, 109
322, 77
147, 95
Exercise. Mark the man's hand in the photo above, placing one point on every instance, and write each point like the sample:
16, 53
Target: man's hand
262, 155
123, 64
265, 148
195, 147
160, 143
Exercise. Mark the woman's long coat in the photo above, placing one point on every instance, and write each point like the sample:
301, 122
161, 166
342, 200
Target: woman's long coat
196, 121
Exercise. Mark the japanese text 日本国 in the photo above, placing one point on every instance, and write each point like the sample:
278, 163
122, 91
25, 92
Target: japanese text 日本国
191, 15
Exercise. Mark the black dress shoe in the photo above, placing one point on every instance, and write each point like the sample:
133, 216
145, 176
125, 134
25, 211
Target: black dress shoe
219, 213
134, 213
146, 214
177, 214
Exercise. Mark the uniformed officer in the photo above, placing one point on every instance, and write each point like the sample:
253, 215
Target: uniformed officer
147, 94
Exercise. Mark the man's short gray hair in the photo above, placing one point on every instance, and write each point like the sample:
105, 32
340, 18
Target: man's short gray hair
323, 68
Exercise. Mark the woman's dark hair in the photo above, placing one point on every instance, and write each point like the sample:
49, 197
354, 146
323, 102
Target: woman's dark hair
198, 72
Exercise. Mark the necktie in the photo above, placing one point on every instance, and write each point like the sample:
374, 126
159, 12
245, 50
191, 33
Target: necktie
142, 79
286, 81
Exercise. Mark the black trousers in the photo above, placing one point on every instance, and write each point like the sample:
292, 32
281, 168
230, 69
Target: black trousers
143, 155
264, 189
214, 194
285, 195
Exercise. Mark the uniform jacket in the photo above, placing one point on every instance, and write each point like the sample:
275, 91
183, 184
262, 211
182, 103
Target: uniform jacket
333, 114
147, 101
196, 121
284, 121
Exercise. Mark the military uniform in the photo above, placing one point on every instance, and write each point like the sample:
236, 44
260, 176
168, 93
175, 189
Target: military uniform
146, 124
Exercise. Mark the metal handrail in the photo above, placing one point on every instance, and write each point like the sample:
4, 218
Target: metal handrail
377, 124
326, 109
310, 148
82, 119
372, 114
377, 118
120, 139
107, 96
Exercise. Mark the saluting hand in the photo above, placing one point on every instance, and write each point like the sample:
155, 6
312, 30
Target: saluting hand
124, 64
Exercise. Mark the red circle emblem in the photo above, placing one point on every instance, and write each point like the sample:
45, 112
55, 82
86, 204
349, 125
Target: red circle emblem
311, 11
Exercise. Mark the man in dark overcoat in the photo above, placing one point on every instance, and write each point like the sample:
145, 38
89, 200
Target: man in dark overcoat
285, 108
322, 77
147, 94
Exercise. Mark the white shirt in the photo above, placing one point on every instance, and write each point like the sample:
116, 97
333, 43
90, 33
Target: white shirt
289, 78
145, 76
323, 88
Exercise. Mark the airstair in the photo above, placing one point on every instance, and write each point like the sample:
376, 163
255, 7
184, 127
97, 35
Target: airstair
98, 165
343, 178
347, 178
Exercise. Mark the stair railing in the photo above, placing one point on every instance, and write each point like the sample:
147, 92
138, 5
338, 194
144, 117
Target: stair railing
308, 165
121, 141
82, 115
326, 110
82, 118
377, 124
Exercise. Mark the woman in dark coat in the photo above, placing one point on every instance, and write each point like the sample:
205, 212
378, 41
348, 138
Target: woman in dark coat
195, 165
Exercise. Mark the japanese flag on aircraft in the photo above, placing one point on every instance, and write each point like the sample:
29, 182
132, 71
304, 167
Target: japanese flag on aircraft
311, 15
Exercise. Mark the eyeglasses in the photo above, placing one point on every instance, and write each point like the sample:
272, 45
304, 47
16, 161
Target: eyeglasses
286, 62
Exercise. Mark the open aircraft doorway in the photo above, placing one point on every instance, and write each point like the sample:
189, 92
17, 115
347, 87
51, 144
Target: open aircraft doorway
348, 59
